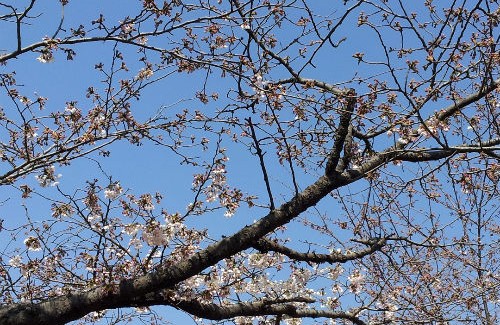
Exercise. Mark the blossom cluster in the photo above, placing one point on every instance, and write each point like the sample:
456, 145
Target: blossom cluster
48, 177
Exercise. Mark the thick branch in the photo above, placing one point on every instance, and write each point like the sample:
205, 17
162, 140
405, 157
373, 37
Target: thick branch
431, 154
340, 135
70, 307
458, 105
66, 308
265, 307
266, 245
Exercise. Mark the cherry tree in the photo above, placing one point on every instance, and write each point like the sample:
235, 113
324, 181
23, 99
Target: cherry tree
333, 162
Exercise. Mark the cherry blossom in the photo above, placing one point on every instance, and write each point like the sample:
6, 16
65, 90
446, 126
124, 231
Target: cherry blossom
278, 162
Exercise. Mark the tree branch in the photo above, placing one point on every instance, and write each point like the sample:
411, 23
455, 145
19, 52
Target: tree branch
63, 309
316, 83
458, 105
70, 307
341, 134
260, 154
429, 154
265, 245
276, 307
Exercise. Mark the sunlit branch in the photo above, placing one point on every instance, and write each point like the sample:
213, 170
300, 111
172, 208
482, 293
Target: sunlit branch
399, 152
266, 245
284, 307
313, 82
340, 135
462, 103
429, 154
79, 304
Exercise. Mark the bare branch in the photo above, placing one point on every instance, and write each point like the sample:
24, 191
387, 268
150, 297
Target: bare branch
260, 154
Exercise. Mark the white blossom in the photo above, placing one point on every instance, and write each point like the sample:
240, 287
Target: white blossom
48, 177
113, 191
131, 229
356, 279
335, 272
45, 57
16, 261
403, 141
